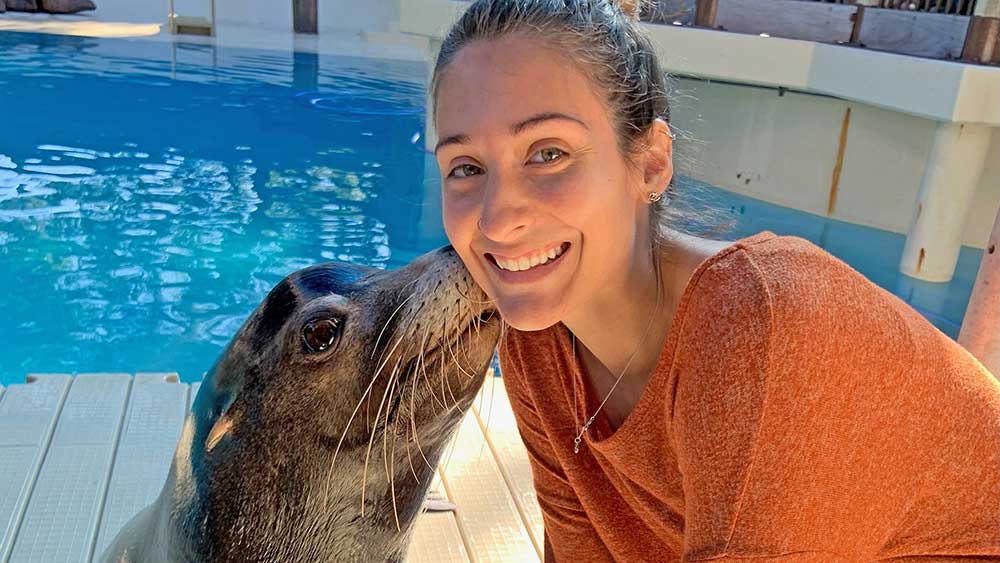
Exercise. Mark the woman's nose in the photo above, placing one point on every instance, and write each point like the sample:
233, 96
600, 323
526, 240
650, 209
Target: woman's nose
505, 211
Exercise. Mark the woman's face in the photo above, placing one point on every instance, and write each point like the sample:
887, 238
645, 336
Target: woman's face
531, 168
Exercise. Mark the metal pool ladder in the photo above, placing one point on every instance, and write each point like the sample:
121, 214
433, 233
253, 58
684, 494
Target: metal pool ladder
192, 25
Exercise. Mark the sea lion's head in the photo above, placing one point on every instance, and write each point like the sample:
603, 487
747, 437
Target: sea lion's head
315, 435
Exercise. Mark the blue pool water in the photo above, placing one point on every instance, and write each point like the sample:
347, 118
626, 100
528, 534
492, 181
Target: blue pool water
151, 196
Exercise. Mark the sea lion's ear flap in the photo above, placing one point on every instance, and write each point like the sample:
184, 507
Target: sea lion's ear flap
224, 424
221, 427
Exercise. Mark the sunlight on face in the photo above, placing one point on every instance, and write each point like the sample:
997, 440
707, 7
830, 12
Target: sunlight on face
528, 151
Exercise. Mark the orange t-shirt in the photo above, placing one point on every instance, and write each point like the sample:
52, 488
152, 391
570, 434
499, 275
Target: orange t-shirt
797, 413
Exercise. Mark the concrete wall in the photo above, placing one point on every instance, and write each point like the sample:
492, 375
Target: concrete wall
783, 147
271, 16
334, 15
355, 16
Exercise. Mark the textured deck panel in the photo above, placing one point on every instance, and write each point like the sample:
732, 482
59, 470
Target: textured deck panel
60, 523
156, 409
28, 414
73, 449
497, 421
436, 540
488, 517
435, 536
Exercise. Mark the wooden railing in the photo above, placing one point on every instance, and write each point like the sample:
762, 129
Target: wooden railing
940, 29
957, 7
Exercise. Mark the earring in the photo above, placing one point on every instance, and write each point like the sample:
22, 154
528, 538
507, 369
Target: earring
654, 196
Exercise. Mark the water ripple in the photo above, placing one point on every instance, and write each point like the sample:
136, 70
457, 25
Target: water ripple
152, 208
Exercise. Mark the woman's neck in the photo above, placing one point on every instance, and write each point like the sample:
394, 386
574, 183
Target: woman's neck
626, 320
623, 329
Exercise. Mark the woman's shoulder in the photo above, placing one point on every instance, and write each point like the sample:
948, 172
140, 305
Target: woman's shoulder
830, 326
802, 282
813, 314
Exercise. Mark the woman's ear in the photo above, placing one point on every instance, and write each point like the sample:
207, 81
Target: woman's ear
658, 162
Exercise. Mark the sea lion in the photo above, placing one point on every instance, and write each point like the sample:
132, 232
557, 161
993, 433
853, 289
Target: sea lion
316, 433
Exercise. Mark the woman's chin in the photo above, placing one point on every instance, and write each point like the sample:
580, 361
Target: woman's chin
527, 315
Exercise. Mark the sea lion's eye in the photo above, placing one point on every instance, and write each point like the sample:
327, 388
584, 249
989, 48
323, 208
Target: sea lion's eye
320, 334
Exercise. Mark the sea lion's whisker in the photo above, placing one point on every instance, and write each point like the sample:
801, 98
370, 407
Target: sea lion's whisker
385, 426
392, 469
421, 369
476, 322
459, 365
413, 391
408, 459
420, 449
464, 342
401, 329
470, 299
404, 327
420, 357
387, 321
371, 440
351, 419
445, 379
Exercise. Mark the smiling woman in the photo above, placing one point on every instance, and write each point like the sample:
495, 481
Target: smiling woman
756, 398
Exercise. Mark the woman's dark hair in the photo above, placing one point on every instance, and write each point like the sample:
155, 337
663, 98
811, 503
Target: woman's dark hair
605, 39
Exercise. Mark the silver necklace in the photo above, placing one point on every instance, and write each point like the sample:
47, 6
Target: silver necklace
576, 421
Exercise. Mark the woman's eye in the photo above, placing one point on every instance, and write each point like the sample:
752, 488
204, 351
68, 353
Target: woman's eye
549, 154
464, 171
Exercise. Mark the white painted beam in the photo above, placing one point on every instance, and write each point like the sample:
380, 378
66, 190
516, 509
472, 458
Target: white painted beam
951, 176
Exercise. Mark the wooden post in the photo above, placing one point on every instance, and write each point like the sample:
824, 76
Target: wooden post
980, 333
982, 42
705, 13
859, 18
305, 16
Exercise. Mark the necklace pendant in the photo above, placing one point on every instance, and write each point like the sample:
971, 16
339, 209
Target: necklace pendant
576, 445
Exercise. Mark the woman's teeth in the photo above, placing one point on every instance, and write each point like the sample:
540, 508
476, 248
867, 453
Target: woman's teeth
528, 262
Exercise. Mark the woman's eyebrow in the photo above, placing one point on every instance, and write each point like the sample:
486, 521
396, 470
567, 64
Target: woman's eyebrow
542, 117
515, 129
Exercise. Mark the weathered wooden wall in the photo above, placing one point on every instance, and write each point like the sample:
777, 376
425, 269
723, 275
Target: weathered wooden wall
793, 19
935, 30
922, 34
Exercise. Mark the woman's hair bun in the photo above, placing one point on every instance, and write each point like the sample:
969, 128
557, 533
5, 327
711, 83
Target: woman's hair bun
629, 7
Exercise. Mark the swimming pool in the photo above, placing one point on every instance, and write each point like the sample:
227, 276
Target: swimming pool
150, 196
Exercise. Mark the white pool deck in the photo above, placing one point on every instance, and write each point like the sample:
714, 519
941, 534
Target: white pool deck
79, 455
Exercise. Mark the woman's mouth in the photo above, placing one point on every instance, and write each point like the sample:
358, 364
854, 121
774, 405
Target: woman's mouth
530, 267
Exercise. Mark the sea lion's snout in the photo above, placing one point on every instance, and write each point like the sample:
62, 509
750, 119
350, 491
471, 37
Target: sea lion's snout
446, 326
